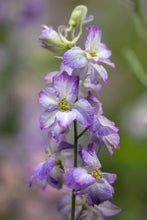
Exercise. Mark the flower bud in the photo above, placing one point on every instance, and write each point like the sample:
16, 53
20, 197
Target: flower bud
78, 15
50, 38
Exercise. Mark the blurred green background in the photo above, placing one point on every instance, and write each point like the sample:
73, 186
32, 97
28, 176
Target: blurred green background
23, 64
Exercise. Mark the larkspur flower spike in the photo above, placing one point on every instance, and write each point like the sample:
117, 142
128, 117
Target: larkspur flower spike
69, 100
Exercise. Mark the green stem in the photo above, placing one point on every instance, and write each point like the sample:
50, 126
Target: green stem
82, 132
75, 165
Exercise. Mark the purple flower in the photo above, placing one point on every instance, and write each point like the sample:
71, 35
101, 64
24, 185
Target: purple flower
90, 180
61, 105
103, 131
86, 62
83, 211
51, 171
50, 39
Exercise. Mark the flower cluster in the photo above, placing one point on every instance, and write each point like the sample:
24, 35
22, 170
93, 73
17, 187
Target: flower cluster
71, 98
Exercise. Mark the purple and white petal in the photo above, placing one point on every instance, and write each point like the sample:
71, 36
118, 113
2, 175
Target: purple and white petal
75, 58
65, 85
108, 209
47, 119
82, 72
70, 181
49, 76
103, 52
89, 157
56, 177
106, 122
107, 61
98, 128
82, 177
112, 139
49, 98
83, 111
110, 177
65, 118
41, 171
93, 38
56, 130
100, 192
100, 72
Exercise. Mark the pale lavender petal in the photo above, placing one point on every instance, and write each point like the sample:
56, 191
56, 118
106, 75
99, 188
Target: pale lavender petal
103, 52
41, 183
64, 145
106, 122
47, 119
89, 157
93, 38
41, 171
83, 111
82, 72
107, 61
108, 209
96, 104
49, 76
98, 128
110, 177
112, 139
64, 204
100, 71
65, 85
87, 19
49, 98
75, 58
56, 130
100, 192
56, 177
65, 118
82, 177
70, 181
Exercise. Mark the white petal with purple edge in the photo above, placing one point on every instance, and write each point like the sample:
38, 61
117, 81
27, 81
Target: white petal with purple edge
47, 119
93, 38
103, 52
49, 97
75, 58
65, 118
83, 111
101, 71
49, 76
90, 158
108, 209
65, 85
82, 177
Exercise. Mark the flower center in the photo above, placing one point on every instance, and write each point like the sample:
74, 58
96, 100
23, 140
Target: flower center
96, 173
93, 54
64, 105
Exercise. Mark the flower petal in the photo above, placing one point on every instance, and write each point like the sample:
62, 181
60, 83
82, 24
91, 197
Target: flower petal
108, 209
75, 58
65, 85
100, 192
83, 111
47, 119
65, 118
49, 76
49, 98
82, 177
41, 171
89, 157
56, 177
93, 38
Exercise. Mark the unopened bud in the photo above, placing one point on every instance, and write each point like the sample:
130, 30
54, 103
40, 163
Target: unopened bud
78, 15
